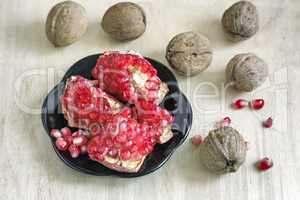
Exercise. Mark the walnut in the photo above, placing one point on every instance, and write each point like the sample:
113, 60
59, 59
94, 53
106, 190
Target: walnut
240, 21
224, 150
246, 71
189, 53
124, 21
66, 23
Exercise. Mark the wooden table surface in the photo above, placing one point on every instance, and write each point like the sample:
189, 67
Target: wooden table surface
30, 66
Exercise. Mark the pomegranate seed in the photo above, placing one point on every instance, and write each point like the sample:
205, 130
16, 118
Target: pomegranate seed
65, 132
80, 140
268, 123
240, 103
226, 121
128, 143
143, 150
69, 139
61, 144
139, 140
197, 140
125, 155
74, 151
55, 133
265, 164
83, 149
136, 156
113, 152
257, 104
77, 134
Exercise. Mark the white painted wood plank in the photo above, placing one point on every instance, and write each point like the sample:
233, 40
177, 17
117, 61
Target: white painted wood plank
29, 168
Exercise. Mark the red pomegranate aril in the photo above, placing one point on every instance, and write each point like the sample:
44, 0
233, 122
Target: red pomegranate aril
80, 140
136, 156
143, 150
77, 134
83, 149
197, 140
125, 154
55, 133
240, 103
139, 140
74, 151
121, 138
265, 164
109, 142
113, 152
69, 139
128, 144
225, 122
257, 104
66, 132
268, 123
103, 150
61, 144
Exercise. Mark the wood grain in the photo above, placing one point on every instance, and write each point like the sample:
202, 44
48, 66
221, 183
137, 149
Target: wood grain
29, 168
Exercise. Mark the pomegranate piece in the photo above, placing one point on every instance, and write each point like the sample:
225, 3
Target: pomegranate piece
66, 132
80, 140
123, 144
85, 106
226, 121
265, 164
83, 149
74, 150
240, 103
159, 119
257, 104
61, 144
197, 140
55, 133
129, 77
268, 123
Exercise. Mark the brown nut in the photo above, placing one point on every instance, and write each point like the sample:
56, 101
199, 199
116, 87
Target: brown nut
246, 72
223, 150
66, 23
240, 21
124, 21
189, 53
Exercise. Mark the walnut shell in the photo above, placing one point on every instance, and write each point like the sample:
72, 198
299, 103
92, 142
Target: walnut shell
189, 53
246, 72
223, 150
124, 21
66, 23
240, 21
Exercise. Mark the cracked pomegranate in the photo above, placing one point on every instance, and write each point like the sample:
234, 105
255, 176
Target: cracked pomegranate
129, 77
123, 145
86, 106
122, 136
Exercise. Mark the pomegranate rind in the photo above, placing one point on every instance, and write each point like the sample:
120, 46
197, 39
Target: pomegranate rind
95, 101
130, 166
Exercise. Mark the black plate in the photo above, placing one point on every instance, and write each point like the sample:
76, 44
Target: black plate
52, 117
